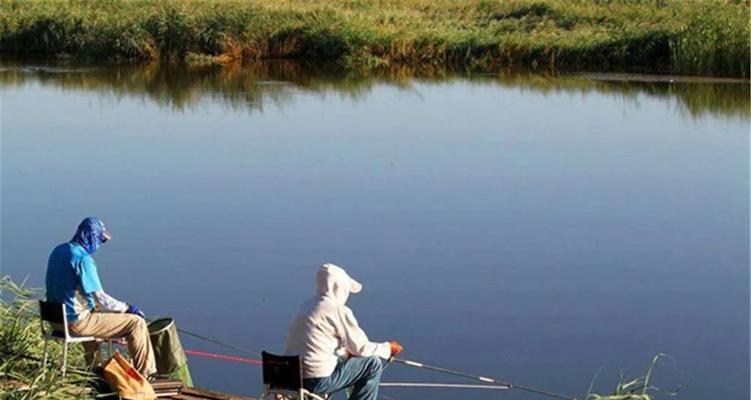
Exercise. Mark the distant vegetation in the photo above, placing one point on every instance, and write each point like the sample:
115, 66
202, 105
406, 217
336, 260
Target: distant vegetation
692, 37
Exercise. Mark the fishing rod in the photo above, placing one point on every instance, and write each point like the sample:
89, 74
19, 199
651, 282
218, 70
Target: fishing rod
484, 379
219, 343
224, 357
210, 340
432, 385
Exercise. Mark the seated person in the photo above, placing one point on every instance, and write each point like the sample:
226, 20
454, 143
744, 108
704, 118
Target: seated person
324, 327
72, 279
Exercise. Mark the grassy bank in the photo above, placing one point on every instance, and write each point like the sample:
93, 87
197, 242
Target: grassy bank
696, 37
21, 376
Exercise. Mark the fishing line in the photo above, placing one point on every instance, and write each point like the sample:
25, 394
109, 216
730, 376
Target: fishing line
224, 357
484, 379
213, 341
411, 363
219, 343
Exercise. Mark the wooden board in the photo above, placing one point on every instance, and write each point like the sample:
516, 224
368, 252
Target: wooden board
205, 394
171, 389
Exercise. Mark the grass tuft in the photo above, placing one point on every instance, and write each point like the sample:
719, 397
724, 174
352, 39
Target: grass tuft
640, 388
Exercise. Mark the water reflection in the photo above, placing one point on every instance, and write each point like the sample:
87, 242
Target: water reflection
530, 227
249, 86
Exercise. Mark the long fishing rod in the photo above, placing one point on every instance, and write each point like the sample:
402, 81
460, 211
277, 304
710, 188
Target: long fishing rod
416, 364
224, 357
485, 379
210, 340
433, 385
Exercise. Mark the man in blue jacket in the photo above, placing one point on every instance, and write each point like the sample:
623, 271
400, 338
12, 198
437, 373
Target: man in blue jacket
73, 280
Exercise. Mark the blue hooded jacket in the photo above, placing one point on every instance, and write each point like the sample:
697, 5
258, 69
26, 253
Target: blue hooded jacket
90, 234
71, 271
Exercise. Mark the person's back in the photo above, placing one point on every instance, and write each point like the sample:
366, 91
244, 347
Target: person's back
325, 329
315, 336
72, 279
67, 264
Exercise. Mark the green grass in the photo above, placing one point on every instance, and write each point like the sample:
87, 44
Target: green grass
699, 37
641, 388
21, 376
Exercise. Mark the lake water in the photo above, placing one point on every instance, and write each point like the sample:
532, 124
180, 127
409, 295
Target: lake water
528, 227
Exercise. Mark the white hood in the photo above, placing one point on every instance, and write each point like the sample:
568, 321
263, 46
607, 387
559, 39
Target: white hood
335, 284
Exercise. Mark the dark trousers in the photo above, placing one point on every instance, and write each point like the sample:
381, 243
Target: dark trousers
363, 374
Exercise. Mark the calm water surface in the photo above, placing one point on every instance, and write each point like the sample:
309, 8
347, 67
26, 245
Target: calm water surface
527, 227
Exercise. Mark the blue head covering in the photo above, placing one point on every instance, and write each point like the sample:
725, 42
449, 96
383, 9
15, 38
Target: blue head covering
90, 234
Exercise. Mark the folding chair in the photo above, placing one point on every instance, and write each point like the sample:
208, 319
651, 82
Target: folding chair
282, 377
54, 314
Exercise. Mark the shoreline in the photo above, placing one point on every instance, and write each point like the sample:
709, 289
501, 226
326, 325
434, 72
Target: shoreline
67, 65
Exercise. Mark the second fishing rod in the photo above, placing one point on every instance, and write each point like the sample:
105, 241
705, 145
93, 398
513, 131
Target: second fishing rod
416, 364
481, 378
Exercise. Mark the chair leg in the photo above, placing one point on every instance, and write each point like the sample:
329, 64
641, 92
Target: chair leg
65, 356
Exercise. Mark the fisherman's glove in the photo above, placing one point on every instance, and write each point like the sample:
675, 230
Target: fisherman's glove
396, 348
134, 310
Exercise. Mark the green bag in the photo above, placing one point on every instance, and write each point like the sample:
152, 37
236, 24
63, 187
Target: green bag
168, 351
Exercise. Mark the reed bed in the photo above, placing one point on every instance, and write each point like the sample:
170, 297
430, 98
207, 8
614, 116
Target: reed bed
697, 37
21, 374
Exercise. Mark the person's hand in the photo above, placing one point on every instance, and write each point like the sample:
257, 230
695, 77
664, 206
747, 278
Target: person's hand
134, 310
396, 348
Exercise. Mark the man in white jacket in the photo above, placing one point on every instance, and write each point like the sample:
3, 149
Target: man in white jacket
326, 328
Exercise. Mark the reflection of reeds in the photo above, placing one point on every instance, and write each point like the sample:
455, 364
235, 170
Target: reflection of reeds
706, 37
21, 376
248, 85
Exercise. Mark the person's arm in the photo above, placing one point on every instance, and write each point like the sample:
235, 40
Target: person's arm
355, 340
90, 284
108, 303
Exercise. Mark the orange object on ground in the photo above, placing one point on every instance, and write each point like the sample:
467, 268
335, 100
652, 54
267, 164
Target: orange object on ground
125, 379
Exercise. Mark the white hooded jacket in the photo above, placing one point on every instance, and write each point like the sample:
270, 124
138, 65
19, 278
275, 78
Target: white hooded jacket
325, 326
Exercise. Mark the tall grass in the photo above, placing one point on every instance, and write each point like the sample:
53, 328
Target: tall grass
640, 388
697, 37
21, 373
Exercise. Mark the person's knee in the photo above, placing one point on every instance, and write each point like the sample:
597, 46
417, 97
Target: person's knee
138, 325
374, 364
